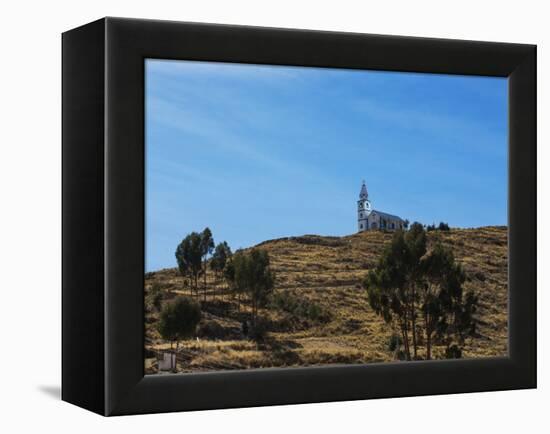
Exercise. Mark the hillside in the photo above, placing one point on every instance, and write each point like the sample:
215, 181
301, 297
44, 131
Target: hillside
339, 326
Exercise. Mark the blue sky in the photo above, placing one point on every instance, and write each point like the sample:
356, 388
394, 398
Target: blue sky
262, 152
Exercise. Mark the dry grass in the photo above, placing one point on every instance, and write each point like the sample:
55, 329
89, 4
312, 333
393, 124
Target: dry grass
328, 271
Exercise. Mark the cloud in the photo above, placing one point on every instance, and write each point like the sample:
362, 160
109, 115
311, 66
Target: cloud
224, 134
467, 133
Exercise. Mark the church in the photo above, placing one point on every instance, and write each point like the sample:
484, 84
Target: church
371, 219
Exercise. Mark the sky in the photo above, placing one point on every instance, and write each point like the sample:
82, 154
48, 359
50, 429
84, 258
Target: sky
261, 152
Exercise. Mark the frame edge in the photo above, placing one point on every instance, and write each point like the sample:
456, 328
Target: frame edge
82, 217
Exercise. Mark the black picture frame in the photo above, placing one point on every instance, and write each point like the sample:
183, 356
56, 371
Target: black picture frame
103, 216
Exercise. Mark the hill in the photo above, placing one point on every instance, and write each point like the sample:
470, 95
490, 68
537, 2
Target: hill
320, 314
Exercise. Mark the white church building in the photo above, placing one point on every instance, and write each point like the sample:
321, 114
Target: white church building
371, 219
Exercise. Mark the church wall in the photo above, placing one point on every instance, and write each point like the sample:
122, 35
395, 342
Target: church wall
369, 219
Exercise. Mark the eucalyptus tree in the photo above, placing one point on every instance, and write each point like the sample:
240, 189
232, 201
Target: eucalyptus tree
411, 282
189, 258
254, 276
222, 253
206, 246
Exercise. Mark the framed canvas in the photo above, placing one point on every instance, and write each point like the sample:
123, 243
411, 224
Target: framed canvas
257, 216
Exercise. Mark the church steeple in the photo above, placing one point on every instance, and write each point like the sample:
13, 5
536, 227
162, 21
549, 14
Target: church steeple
364, 209
364, 194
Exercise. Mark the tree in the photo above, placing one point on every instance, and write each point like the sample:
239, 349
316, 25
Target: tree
436, 267
408, 281
178, 320
221, 255
262, 279
253, 275
449, 312
388, 290
206, 246
416, 243
237, 271
189, 257
443, 226
229, 276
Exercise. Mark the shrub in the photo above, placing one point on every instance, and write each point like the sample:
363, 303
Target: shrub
394, 342
401, 355
453, 352
258, 330
157, 300
212, 330
299, 307
179, 319
154, 297
441, 227
319, 241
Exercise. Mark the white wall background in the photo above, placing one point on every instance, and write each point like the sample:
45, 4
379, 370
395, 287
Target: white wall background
30, 205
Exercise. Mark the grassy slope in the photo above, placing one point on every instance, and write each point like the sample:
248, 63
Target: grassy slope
328, 271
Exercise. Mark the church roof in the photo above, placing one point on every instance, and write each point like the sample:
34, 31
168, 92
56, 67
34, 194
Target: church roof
386, 215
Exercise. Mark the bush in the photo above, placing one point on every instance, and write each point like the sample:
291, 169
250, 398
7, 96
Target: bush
314, 312
299, 307
453, 352
258, 331
179, 319
157, 300
154, 297
401, 355
394, 342
441, 227
319, 241
287, 323
211, 330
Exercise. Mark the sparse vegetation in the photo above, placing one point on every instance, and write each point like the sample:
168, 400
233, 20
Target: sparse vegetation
153, 300
299, 307
441, 227
327, 272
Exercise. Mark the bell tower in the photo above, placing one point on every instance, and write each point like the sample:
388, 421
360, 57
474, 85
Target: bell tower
364, 209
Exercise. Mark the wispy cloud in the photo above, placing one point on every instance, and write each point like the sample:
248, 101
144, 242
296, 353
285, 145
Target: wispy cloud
471, 134
211, 129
